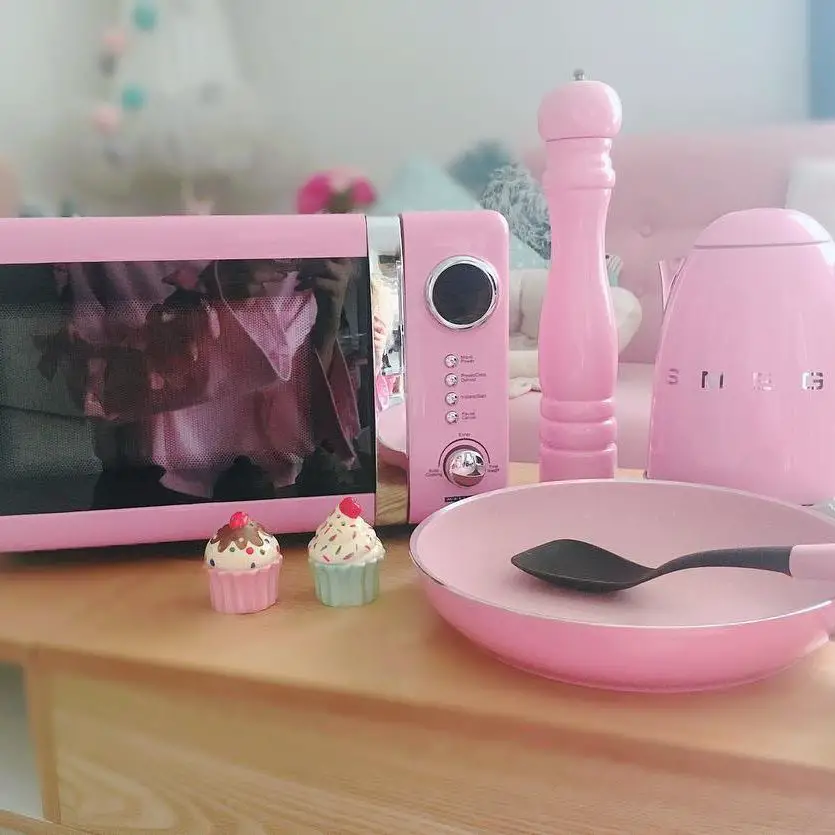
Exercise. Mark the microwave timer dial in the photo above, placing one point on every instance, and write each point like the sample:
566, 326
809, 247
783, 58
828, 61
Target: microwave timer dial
464, 466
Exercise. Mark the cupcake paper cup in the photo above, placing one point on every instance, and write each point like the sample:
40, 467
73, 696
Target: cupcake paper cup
346, 585
244, 592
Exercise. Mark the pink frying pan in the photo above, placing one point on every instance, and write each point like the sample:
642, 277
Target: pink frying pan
694, 630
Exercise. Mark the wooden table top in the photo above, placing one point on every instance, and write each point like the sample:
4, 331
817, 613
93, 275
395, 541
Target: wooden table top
145, 612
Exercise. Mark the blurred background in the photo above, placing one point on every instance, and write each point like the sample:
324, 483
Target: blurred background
114, 106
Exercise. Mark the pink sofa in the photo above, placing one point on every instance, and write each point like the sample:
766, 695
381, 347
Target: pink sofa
668, 189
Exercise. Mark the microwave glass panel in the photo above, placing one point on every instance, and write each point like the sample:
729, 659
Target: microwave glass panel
163, 383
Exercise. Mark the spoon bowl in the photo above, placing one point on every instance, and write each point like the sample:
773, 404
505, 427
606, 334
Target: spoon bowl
582, 566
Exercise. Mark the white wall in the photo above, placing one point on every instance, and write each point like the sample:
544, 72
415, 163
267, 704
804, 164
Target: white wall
367, 82
47, 56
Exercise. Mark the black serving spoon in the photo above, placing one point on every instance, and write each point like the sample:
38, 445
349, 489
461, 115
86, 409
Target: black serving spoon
573, 564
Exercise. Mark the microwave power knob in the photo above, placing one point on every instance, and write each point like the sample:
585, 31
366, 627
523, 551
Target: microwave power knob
464, 466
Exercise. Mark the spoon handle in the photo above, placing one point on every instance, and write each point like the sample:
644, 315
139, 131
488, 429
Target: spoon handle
812, 562
766, 559
803, 562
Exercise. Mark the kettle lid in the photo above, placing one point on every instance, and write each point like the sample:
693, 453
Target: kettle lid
762, 227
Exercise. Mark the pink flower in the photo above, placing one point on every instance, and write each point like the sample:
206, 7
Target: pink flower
338, 190
363, 192
313, 197
341, 179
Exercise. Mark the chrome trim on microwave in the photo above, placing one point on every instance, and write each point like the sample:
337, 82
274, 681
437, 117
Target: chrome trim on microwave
385, 256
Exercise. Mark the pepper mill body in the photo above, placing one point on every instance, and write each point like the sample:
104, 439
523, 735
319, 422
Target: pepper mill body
578, 345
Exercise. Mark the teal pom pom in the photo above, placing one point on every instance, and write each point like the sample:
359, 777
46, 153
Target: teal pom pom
133, 98
145, 17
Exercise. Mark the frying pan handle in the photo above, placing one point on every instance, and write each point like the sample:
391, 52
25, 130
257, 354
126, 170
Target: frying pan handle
812, 562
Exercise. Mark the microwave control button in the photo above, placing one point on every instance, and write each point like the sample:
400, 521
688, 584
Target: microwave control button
451, 398
464, 466
451, 380
451, 361
452, 417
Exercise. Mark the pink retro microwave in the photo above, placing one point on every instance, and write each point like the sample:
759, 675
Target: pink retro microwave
158, 373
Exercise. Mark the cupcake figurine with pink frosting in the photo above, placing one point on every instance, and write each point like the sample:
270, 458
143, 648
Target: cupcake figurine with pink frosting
345, 555
243, 561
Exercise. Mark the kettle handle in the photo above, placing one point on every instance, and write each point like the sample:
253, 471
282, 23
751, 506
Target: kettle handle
668, 271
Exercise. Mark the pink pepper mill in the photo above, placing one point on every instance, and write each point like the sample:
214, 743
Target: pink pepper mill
578, 343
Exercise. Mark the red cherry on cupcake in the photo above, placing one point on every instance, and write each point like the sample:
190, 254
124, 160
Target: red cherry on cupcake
238, 520
350, 507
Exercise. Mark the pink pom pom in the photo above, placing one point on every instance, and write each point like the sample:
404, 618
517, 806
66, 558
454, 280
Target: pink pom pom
313, 197
107, 118
114, 42
320, 191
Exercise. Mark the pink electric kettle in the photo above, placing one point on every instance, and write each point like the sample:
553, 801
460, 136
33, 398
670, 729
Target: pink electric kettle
744, 381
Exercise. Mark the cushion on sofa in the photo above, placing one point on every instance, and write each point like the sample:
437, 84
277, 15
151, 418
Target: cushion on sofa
530, 286
517, 281
422, 186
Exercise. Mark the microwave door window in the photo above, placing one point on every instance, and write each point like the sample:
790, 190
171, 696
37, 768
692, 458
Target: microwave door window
159, 383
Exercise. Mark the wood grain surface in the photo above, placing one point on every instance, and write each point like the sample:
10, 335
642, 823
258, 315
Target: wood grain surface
136, 759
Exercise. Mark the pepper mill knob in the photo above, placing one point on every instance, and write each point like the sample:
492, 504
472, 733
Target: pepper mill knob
579, 110
578, 345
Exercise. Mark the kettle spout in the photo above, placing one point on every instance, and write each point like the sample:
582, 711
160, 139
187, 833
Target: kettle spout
668, 271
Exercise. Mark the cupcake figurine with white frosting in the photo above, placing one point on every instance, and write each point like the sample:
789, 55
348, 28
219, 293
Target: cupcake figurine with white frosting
243, 561
345, 556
